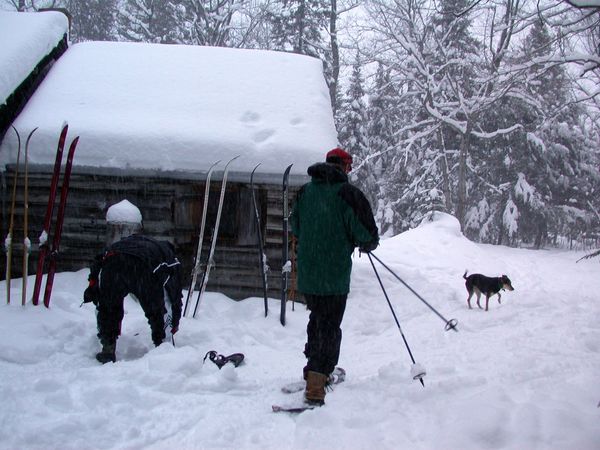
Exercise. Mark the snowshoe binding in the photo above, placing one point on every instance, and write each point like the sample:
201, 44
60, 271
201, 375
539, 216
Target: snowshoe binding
236, 358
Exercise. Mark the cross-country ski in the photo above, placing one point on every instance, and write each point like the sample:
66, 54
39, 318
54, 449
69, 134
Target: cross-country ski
60, 217
286, 265
197, 261
295, 408
8, 240
26, 241
213, 242
43, 238
262, 257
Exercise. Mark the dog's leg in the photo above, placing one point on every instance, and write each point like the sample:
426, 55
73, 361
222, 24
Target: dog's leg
499, 302
478, 297
469, 299
487, 301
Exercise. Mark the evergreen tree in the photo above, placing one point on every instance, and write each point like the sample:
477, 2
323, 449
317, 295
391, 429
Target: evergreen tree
147, 21
382, 144
93, 20
542, 172
297, 25
353, 122
300, 26
207, 22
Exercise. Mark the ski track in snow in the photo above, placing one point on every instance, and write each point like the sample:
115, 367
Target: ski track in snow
522, 375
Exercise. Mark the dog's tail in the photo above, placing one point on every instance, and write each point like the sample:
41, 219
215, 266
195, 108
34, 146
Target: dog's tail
465, 275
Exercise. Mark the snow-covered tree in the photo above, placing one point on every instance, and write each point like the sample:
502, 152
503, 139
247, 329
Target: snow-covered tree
352, 121
380, 130
208, 22
308, 27
298, 25
147, 21
93, 20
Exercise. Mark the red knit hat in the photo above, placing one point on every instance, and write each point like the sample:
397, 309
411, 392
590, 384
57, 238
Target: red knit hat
340, 156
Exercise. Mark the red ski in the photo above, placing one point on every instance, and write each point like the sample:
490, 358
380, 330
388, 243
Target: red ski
43, 240
60, 217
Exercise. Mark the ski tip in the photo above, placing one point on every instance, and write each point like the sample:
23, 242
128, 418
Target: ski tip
293, 409
64, 125
231, 160
17, 133
74, 143
30, 134
214, 164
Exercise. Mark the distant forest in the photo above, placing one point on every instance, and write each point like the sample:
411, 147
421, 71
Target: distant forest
487, 110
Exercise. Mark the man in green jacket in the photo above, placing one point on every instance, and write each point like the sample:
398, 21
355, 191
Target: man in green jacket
330, 218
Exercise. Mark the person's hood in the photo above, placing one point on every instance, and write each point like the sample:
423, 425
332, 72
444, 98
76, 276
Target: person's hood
329, 173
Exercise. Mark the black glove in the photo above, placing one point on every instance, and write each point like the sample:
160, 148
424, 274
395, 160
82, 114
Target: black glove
368, 246
92, 293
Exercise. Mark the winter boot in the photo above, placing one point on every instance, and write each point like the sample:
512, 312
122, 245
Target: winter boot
315, 388
107, 354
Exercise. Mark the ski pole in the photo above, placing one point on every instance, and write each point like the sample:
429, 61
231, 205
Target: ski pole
450, 324
417, 371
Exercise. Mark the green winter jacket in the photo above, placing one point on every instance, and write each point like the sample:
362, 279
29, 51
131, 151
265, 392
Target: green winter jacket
330, 218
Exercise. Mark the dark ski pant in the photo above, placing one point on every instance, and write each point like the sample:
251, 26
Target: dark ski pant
324, 335
121, 275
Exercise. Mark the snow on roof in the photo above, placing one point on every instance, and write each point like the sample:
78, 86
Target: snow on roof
180, 108
26, 38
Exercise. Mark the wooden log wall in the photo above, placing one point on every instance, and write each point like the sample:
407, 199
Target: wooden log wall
171, 210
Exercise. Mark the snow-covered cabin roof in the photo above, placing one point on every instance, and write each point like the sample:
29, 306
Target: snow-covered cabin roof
25, 39
28, 43
180, 108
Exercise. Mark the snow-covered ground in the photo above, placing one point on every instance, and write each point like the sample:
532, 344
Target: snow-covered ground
524, 375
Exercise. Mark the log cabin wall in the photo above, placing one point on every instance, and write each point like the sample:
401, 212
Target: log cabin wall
171, 207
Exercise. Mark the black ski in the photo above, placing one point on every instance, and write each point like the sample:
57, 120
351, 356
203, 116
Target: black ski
26, 241
262, 258
286, 265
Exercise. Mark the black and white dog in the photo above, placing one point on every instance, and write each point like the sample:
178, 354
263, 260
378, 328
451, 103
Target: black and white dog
480, 284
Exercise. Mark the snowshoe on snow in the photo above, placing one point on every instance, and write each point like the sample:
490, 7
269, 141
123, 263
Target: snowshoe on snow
236, 358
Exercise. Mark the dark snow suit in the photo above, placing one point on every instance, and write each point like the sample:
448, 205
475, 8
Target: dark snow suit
330, 218
145, 268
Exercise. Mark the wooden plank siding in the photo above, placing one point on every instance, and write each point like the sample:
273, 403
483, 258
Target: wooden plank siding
171, 209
